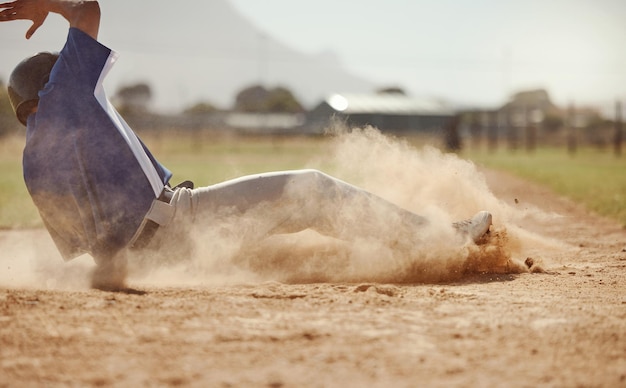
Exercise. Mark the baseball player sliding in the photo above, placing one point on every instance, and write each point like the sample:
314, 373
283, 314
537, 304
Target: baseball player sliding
99, 190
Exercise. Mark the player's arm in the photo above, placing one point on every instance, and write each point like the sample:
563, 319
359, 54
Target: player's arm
81, 14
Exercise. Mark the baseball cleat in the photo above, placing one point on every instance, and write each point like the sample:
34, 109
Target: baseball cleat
475, 227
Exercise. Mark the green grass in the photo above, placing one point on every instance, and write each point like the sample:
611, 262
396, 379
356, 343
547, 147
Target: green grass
596, 179
592, 177
209, 159
16, 207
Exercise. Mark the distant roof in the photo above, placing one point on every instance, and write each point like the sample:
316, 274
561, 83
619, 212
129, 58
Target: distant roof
390, 103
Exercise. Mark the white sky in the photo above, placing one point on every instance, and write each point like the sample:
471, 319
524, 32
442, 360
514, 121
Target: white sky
466, 51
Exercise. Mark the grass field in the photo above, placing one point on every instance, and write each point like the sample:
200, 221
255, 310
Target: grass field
592, 177
596, 179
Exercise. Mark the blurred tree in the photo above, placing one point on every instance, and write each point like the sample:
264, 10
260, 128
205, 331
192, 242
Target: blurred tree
251, 99
258, 99
391, 90
281, 100
200, 108
133, 98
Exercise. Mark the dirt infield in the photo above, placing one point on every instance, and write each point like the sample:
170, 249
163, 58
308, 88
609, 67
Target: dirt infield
565, 327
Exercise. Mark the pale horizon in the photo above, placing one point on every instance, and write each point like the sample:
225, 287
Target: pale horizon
472, 53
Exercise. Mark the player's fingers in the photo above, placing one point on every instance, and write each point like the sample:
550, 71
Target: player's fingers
11, 11
8, 9
36, 24
9, 4
8, 12
31, 31
6, 16
21, 11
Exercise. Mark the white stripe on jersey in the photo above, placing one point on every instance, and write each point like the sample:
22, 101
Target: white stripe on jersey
126, 132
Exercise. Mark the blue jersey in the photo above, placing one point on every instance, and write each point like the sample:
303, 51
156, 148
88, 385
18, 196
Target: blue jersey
89, 175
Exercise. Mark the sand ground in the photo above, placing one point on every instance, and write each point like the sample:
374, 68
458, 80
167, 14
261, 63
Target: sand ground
562, 328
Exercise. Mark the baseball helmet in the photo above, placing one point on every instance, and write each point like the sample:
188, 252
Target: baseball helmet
26, 80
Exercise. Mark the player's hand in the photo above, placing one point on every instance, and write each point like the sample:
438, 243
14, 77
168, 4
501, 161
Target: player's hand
34, 10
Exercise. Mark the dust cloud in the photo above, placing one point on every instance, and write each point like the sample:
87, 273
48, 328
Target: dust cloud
374, 245
30, 260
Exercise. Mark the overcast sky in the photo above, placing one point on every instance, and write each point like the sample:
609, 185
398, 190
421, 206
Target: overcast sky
466, 50
474, 51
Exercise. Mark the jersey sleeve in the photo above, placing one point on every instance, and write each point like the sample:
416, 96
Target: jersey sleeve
82, 59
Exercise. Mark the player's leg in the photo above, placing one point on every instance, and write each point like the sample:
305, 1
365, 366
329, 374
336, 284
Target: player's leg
291, 201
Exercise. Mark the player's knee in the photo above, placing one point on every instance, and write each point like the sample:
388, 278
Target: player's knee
312, 181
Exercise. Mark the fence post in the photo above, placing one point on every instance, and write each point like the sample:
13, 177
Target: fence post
475, 129
617, 139
531, 129
491, 123
452, 137
512, 130
571, 129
